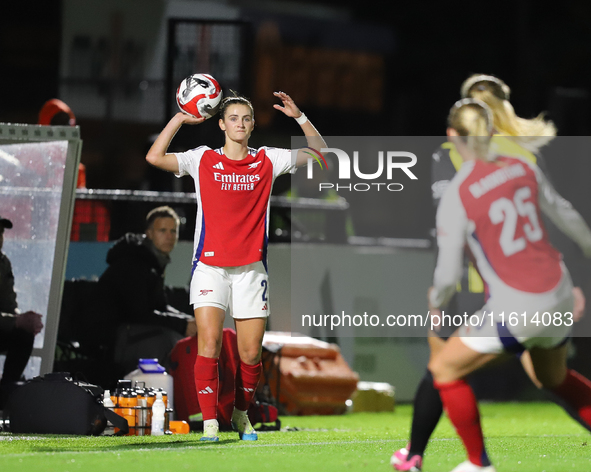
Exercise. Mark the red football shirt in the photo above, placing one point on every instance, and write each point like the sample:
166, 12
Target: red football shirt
503, 204
233, 202
496, 210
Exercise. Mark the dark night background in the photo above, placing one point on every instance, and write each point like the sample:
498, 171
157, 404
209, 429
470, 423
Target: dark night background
541, 50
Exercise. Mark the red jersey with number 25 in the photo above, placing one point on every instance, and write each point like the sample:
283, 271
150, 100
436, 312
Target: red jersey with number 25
494, 207
502, 200
232, 202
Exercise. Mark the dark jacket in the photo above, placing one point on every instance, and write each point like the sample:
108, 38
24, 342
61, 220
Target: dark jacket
8, 303
132, 287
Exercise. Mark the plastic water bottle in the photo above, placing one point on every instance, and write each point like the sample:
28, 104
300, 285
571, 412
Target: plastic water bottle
108, 403
158, 412
152, 374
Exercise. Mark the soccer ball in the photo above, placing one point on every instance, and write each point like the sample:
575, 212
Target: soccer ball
199, 95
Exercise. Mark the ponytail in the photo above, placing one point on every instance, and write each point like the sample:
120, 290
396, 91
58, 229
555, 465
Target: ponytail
472, 119
532, 133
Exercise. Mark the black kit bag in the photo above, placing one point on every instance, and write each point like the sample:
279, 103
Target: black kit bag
56, 404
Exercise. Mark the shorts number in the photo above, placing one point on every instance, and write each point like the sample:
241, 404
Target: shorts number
507, 212
264, 284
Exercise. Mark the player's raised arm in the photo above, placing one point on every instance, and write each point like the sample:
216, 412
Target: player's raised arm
313, 137
157, 155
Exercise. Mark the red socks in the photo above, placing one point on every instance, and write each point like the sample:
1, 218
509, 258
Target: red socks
576, 392
207, 383
460, 404
247, 379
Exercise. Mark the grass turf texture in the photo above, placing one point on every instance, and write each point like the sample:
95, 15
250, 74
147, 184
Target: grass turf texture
524, 437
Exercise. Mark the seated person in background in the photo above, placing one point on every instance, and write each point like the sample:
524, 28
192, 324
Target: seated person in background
17, 330
132, 293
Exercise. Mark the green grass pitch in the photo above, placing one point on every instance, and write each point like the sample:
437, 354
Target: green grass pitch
521, 437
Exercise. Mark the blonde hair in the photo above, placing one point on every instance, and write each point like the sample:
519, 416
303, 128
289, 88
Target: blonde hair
532, 133
473, 120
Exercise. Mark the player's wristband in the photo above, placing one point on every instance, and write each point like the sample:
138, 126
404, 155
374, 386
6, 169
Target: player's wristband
301, 119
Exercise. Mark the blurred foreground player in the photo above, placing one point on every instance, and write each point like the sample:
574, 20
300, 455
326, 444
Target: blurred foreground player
513, 136
17, 330
494, 205
233, 186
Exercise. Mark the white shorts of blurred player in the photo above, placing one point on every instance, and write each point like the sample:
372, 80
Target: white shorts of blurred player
522, 320
242, 291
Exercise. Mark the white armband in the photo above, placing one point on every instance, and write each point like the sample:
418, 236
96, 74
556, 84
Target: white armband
301, 119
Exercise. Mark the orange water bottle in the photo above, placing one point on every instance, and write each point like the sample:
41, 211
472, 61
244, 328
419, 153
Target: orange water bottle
128, 402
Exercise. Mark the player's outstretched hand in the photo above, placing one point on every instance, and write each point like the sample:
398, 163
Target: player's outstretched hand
188, 119
30, 322
289, 107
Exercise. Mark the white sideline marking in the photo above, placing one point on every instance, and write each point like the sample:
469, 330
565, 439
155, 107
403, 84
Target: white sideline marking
235, 446
20, 438
206, 446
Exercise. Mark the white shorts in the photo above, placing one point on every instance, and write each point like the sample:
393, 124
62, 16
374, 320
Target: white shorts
546, 324
242, 291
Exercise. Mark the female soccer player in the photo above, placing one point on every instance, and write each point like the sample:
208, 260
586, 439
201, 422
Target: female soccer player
514, 136
233, 186
493, 204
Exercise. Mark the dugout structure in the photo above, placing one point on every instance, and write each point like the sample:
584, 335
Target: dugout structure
38, 172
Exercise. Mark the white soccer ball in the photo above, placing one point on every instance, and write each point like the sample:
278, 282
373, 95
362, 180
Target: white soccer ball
199, 95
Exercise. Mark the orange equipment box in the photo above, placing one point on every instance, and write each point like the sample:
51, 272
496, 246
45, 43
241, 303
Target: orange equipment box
313, 376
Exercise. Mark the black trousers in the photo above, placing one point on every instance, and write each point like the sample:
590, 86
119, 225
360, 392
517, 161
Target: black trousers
17, 344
